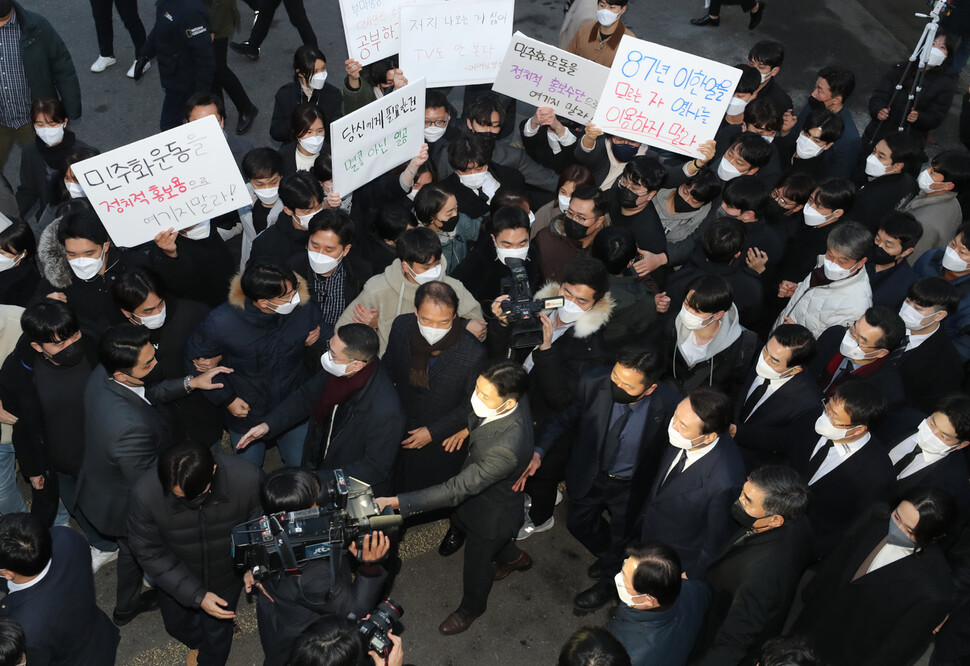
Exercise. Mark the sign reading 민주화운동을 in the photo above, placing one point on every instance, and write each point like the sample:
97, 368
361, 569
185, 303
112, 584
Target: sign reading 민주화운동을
455, 43
544, 75
375, 138
174, 179
664, 97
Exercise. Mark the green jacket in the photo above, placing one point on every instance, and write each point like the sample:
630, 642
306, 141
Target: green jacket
223, 17
47, 62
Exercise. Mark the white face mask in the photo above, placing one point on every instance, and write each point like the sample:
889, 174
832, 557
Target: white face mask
692, 321
736, 106
473, 181
267, 195
532, 219
621, 592
287, 307
874, 167
318, 80
913, 319
433, 133
678, 440
198, 231
851, 349
6, 263
564, 202
87, 267
926, 182
805, 148
412, 194
726, 170
606, 18
429, 275
322, 263
952, 261
335, 369
432, 335
813, 218
936, 57
828, 430
929, 442
835, 272
482, 410
765, 77
153, 321
50, 135
514, 253
75, 190
304, 220
312, 144
767, 138
765, 371
569, 312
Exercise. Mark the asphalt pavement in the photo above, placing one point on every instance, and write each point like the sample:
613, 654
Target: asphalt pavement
530, 613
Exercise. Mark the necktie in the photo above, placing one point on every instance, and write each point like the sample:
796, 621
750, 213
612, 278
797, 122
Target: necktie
816, 461
612, 445
753, 399
904, 462
840, 376
677, 469
482, 195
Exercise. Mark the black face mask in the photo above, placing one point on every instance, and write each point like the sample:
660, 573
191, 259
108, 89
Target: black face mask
489, 137
626, 197
69, 356
680, 203
741, 516
198, 501
773, 210
574, 229
814, 104
154, 375
880, 257
622, 397
623, 152
449, 224
387, 90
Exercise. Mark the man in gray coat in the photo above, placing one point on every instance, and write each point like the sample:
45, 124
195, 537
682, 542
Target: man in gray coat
489, 512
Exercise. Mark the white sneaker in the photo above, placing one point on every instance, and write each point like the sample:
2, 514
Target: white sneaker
530, 528
558, 497
102, 63
101, 557
131, 70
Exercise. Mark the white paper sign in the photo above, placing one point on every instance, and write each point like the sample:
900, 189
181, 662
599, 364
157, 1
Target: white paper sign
372, 28
664, 97
176, 178
544, 75
377, 137
455, 43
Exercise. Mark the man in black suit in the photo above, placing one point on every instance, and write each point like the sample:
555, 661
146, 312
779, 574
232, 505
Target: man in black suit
928, 363
50, 593
845, 467
489, 511
753, 579
699, 477
621, 414
776, 394
476, 176
890, 274
125, 428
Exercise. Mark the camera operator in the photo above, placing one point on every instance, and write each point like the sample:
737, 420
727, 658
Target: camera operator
180, 523
335, 641
290, 604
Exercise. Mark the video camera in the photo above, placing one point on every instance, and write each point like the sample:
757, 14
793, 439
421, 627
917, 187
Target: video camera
523, 312
284, 542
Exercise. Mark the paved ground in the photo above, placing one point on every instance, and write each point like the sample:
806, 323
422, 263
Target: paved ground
531, 613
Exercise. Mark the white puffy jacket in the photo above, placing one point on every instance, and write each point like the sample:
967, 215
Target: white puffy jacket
839, 303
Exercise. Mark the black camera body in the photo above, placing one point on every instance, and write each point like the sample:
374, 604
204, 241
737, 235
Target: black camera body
284, 542
373, 630
521, 309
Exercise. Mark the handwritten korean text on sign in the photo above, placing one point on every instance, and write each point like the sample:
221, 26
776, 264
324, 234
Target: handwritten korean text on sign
664, 97
455, 43
544, 75
372, 28
377, 137
176, 178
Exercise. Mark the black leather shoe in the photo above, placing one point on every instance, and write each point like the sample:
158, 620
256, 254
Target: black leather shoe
146, 602
246, 120
756, 16
246, 49
452, 542
600, 594
598, 569
707, 20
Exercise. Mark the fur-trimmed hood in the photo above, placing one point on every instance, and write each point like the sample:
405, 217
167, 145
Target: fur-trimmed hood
52, 258
237, 298
590, 321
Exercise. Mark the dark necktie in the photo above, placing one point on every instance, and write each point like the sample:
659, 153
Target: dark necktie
677, 469
753, 399
816, 461
904, 462
482, 195
843, 373
612, 445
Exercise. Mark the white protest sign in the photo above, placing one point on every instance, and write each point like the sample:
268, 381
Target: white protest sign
372, 28
377, 137
455, 43
664, 97
176, 178
544, 75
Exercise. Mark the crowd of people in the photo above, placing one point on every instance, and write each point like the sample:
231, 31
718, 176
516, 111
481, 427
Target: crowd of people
745, 375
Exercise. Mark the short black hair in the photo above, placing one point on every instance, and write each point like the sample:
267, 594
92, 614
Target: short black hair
322, 168
429, 200
864, 403
590, 272
300, 190
469, 149
835, 193
188, 466
713, 408
704, 185
956, 406
709, 293
788, 651
902, 226
600, 199
937, 514
82, 222
290, 489
13, 642
508, 217
361, 341
332, 640
132, 288
796, 186
752, 148
840, 80
615, 247
305, 60
204, 99
392, 219
418, 246
889, 322
438, 292
749, 80
507, 195
480, 110
435, 99
593, 646
767, 52
906, 149
335, 220
723, 239
763, 113
963, 233
658, 571
785, 492
120, 346
17, 238
746, 193
303, 117
262, 163
799, 340
955, 167
644, 360
49, 321
267, 280
25, 544
646, 171
379, 68
509, 378
934, 291
829, 122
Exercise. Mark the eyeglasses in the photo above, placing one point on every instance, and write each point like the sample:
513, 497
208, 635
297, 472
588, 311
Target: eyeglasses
828, 413
855, 336
437, 123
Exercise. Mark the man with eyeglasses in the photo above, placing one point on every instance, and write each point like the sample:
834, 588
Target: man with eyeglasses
570, 236
846, 468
